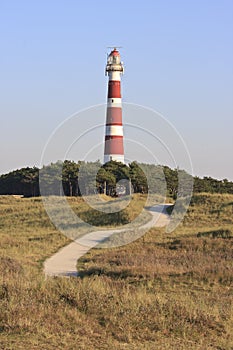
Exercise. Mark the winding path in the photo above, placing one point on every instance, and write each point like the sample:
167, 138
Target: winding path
63, 263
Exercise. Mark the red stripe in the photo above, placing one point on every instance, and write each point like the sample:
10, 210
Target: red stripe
114, 89
114, 145
114, 115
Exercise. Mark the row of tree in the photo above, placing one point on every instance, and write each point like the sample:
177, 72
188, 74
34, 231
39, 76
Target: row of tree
113, 178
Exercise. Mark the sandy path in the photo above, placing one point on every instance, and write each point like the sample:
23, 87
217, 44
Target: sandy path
63, 263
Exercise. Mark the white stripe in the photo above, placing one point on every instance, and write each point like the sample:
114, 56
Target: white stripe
116, 157
114, 130
114, 75
114, 102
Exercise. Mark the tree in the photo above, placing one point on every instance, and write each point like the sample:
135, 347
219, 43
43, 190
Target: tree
138, 178
70, 173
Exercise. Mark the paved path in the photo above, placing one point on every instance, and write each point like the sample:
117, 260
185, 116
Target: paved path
63, 263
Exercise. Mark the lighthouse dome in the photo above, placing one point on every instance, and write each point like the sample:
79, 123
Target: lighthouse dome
115, 52
114, 57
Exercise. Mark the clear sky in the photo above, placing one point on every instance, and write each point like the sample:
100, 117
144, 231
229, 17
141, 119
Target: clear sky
178, 57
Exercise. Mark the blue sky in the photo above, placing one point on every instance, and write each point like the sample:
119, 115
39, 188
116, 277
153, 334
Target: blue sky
178, 57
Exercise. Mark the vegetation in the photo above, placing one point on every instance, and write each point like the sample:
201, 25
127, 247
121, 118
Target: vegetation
80, 178
164, 291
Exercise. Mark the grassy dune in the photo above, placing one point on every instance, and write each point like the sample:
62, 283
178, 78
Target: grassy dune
164, 291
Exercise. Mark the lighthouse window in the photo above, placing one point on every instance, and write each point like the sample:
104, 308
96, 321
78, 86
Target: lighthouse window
112, 100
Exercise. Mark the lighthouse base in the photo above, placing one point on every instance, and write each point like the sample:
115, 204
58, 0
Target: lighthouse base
114, 157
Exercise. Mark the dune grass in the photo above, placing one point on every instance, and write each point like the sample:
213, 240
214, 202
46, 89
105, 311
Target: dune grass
131, 208
164, 291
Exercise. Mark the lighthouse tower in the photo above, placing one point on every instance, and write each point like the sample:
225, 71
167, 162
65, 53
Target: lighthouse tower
114, 148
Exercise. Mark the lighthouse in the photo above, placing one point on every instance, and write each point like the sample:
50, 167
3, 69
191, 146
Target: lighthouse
114, 147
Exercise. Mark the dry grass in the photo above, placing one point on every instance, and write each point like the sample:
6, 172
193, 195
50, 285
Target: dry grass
96, 217
163, 291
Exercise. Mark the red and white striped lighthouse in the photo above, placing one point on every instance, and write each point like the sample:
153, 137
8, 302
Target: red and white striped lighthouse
114, 147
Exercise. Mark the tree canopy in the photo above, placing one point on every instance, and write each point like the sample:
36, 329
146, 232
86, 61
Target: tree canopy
73, 179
